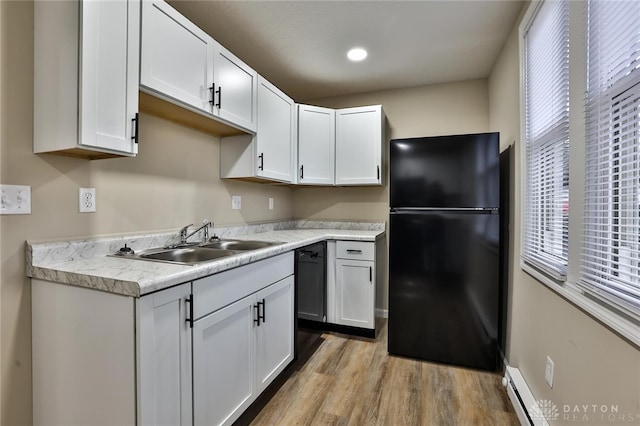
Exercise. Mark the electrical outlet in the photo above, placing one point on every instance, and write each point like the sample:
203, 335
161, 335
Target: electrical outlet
236, 202
15, 199
270, 203
87, 200
548, 372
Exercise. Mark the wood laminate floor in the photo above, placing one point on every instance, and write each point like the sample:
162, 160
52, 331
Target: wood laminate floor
354, 381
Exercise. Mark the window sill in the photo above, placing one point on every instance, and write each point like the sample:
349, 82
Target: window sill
625, 328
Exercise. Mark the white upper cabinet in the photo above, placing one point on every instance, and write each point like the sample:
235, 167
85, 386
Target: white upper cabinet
270, 153
177, 56
316, 145
359, 145
183, 64
276, 133
86, 62
235, 89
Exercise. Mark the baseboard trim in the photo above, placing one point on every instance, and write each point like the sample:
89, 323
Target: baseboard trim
382, 313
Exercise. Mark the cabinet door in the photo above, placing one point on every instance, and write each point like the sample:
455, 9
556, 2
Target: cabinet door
224, 364
177, 56
316, 145
235, 90
359, 135
355, 288
165, 358
109, 74
275, 134
274, 334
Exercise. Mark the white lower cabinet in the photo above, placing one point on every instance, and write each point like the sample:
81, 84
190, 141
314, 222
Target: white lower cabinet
195, 354
242, 336
355, 284
165, 358
224, 363
274, 334
239, 350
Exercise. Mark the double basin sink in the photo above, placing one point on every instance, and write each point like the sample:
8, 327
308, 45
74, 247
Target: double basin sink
193, 254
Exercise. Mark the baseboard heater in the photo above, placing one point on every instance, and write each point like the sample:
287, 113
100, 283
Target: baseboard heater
523, 401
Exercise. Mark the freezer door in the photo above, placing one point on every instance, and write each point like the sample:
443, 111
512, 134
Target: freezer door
444, 287
445, 172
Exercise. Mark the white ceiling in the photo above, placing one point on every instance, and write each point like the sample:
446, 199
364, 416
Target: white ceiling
300, 46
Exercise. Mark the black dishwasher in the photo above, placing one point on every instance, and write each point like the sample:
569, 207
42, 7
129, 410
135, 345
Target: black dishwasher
311, 282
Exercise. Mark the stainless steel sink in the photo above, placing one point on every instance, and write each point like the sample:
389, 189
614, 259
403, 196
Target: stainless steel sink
185, 255
240, 245
193, 254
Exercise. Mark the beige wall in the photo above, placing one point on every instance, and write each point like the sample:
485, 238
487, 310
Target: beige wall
593, 365
173, 181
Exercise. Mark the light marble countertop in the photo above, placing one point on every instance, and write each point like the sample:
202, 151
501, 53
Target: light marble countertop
86, 264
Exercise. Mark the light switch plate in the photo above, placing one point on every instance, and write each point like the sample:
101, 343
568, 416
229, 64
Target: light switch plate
15, 199
236, 202
270, 203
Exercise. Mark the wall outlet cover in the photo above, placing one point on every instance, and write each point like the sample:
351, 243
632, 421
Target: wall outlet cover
270, 203
236, 202
87, 199
548, 372
15, 199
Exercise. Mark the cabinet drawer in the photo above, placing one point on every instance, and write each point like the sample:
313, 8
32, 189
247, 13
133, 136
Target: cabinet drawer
356, 250
219, 290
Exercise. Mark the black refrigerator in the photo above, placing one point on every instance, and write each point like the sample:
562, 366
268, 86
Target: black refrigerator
444, 239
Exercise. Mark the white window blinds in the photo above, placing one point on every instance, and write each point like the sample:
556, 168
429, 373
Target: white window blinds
611, 248
546, 200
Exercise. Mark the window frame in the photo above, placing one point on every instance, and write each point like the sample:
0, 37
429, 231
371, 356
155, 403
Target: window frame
619, 323
536, 261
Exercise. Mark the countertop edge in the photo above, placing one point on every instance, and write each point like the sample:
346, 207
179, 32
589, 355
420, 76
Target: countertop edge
71, 272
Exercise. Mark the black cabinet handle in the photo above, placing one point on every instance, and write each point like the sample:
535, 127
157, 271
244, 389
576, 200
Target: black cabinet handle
257, 314
261, 165
134, 121
219, 92
302, 172
352, 251
378, 173
264, 311
190, 311
212, 89
370, 274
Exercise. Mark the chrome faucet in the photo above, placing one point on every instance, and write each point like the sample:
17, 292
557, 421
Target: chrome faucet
184, 235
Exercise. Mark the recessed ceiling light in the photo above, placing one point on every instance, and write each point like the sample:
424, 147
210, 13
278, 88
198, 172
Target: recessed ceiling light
357, 54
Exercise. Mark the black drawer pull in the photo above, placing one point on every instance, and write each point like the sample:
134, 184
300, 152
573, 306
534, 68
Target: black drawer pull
352, 251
